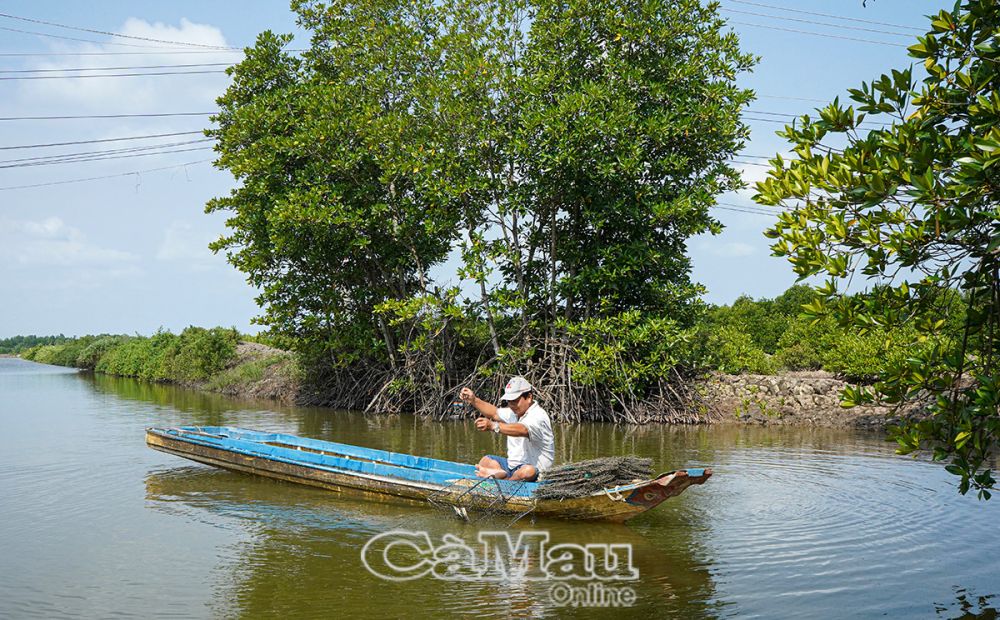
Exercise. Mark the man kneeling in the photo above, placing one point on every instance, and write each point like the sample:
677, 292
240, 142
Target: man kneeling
530, 443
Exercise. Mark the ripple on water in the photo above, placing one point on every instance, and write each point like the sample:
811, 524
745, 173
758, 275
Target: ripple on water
815, 524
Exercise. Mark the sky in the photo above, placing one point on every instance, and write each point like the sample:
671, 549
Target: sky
126, 252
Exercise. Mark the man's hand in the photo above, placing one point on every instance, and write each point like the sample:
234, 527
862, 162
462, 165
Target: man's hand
484, 424
484, 408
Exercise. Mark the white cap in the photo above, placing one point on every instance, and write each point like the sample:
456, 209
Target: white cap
515, 387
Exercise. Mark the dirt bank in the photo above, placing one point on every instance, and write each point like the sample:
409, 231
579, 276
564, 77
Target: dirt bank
792, 398
799, 398
258, 371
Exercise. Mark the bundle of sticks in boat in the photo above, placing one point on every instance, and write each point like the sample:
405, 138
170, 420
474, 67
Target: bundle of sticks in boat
588, 477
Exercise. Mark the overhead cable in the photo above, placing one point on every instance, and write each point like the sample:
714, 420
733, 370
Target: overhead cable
818, 23
166, 52
107, 157
818, 34
205, 64
96, 116
81, 155
110, 34
145, 137
65, 38
850, 19
108, 75
107, 176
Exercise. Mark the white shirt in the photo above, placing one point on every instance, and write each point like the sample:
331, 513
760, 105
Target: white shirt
539, 447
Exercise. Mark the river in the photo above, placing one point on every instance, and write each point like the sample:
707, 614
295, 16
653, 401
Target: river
796, 522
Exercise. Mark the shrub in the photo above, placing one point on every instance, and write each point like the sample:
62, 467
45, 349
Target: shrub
736, 352
863, 357
132, 358
629, 353
805, 344
200, 353
91, 354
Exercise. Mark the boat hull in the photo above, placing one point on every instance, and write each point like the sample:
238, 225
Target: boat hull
614, 505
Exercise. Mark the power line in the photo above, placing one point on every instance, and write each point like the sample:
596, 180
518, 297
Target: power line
108, 75
818, 23
755, 210
146, 137
850, 19
58, 36
107, 176
793, 98
818, 34
749, 211
206, 64
110, 34
105, 158
101, 116
166, 52
84, 155
795, 116
750, 163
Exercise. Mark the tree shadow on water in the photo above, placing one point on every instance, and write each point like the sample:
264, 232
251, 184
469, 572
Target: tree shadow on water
969, 606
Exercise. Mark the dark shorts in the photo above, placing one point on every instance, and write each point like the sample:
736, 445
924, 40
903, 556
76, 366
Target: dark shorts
502, 460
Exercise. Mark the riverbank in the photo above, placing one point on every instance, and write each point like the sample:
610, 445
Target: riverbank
793, 398
219, 361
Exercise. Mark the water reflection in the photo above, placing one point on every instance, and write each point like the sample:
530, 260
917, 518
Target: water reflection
795, 522
305, 544
970, 606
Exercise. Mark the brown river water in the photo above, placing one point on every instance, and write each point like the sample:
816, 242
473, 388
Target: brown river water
796, 522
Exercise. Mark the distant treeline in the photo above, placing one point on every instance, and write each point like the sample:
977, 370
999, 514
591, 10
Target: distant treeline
22, 343
193, 355
762, 336
770, 335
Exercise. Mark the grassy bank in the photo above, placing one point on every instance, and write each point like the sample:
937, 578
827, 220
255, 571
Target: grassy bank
216, 359
759, 337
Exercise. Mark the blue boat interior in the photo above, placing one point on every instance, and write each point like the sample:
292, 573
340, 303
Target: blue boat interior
336, 457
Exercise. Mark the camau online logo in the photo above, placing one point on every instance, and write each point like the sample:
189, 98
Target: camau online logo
508, 557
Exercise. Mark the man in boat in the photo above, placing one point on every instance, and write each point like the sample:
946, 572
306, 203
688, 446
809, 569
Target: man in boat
530, 443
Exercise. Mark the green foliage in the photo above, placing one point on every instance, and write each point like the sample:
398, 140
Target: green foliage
912, 207
566, 151
16, 344
805, 343
138, 357
864, 357
736, 352
63, 354
763, 320
628, 354
200, 353
92, 353
756, 319
194, 355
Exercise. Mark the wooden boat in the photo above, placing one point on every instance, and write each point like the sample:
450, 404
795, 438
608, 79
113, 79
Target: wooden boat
378, 473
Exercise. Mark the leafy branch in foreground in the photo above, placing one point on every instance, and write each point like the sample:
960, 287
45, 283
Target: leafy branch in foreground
913, 207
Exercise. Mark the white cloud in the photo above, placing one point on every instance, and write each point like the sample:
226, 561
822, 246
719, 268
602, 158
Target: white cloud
51, 242
168, 93
183, 242
730, 249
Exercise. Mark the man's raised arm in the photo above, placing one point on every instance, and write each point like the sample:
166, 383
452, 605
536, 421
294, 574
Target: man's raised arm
488, 410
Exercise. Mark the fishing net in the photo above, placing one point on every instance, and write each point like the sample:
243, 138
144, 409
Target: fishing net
483, 501
588, 477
